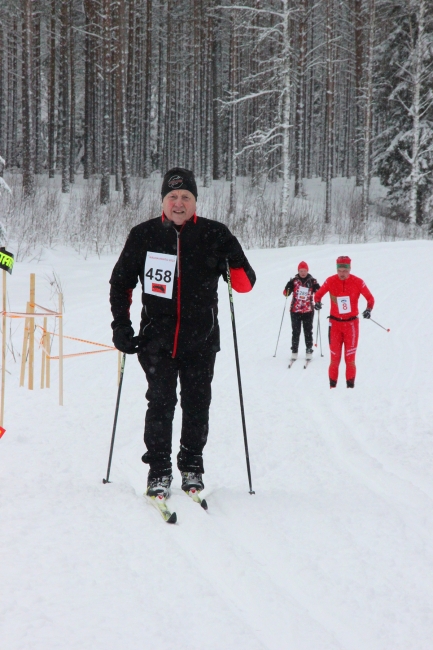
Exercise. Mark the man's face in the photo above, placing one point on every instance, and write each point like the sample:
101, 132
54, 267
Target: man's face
343, 273
179, 206
303, 273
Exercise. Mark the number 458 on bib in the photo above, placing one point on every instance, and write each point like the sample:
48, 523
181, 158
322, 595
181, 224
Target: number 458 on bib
159, 270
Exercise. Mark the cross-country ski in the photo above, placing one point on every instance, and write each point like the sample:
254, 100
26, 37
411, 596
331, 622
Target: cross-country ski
195, 496
160, 503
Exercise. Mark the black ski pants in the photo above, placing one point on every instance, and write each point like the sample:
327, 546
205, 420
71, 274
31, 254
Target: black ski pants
195, 374
306, 320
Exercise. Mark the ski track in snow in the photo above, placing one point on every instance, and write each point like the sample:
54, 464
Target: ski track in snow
333, 552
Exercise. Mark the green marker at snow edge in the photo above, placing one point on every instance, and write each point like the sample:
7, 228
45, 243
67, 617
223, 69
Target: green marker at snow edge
6, 260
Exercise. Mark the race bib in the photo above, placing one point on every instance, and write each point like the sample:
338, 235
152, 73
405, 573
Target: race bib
343, 303
159, 272
303, 293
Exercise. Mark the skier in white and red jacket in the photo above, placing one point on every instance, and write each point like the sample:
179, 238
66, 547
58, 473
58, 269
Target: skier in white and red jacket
302, 287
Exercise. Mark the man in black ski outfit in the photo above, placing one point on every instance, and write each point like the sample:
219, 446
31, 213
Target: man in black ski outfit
303, 287
179, 258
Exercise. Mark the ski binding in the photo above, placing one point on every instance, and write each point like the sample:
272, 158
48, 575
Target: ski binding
194, 494
160, 504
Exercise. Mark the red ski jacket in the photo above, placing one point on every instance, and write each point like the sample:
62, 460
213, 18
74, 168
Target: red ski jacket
302, 290
344, 296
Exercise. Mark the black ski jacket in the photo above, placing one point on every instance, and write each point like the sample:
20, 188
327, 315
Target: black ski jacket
188, 321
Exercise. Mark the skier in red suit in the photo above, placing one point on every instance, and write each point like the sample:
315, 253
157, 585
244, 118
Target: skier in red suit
344, 290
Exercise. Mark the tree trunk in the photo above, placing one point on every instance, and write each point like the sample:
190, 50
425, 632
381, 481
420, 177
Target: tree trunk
38, 92
64, 76
208, 134
121, 105
416, 109
106, 57
329, 106
359, 101
72, 120
27, 101
287, 98
300, 99
148, 93
368, 110
232, 161
52, 92
3, 131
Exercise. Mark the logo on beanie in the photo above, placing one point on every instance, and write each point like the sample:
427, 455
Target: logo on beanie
175, 182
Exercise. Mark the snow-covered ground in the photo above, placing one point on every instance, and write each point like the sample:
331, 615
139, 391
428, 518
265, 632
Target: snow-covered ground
334, 551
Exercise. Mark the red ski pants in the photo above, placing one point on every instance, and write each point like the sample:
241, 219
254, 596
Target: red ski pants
340, 333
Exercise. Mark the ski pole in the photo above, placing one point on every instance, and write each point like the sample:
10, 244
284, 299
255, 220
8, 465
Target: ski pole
319, 334
376, 323
278, 339
119, 390
241, 399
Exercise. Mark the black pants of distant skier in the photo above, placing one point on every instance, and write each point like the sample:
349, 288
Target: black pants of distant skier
195, 374
306, 320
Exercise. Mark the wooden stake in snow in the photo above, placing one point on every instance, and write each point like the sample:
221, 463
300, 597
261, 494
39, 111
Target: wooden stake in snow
25, 342
61, 349
32, 330
47, 342
44, 354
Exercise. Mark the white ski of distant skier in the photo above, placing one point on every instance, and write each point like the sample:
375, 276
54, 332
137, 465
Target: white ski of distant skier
292, 361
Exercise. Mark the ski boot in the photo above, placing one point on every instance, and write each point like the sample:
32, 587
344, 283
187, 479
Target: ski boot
192, 485
309, 354
158, 491
159, 487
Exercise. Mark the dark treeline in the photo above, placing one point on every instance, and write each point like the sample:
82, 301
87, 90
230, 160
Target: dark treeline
270, 89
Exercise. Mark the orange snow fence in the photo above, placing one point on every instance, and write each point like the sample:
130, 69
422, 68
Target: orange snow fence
107, 348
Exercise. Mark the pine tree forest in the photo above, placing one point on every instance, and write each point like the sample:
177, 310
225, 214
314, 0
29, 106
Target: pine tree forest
275, 89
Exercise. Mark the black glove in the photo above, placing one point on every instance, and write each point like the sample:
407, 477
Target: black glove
124, 339
367, 313
317, 305
233, 252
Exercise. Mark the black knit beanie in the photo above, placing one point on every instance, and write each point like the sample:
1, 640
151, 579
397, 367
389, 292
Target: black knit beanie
179, 178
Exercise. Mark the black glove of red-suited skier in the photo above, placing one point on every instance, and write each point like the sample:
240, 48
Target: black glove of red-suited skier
124, 339
367, 313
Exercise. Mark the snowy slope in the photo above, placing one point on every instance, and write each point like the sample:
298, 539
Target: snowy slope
332, 552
